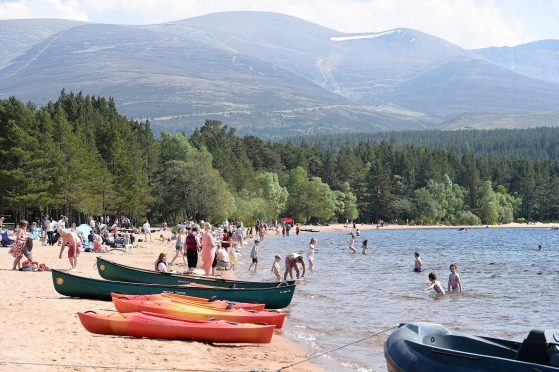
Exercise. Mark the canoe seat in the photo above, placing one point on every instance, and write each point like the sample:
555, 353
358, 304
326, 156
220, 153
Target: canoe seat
534, 348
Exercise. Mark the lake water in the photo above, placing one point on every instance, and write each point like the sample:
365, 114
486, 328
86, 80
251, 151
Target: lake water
509, 287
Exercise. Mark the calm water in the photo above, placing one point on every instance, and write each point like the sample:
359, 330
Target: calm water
509, 287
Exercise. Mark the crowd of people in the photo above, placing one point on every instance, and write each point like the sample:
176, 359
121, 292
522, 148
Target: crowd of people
216, 247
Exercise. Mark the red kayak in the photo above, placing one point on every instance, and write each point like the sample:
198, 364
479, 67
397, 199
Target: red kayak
197, 312
201, 301
168, 327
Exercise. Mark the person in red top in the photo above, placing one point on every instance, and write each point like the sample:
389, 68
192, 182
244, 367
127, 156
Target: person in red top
19, 245
226, 239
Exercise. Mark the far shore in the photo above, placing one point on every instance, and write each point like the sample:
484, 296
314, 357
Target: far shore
339, 227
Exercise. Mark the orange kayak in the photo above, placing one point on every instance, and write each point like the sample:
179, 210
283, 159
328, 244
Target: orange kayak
189, 299
193, 311
167, 327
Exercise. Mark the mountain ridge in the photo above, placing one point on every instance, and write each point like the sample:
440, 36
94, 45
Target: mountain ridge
268, 73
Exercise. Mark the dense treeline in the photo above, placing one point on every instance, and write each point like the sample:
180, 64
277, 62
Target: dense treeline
534, 143
78, 156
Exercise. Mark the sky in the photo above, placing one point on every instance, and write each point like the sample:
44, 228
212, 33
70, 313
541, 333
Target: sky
467, 23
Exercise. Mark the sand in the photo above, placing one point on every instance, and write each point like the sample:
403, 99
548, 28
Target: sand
40, 328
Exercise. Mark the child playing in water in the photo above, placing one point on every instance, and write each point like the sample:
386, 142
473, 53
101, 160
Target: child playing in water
454, 283
254, 256
435, 284
276, 268
310, 253
418, 263
365, 246
352, 244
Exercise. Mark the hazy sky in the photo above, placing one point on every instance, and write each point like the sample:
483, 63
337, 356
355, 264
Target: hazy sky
468, 23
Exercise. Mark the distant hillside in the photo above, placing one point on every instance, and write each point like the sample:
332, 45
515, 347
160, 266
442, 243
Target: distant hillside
510, 121
263, 73
535, 143
539, 59
18, 35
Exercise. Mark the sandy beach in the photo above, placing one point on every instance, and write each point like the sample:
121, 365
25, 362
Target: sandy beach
41, 331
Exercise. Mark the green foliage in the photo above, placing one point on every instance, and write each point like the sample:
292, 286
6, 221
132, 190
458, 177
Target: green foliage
440, 201
309, 199
466, 218
78, 155
496, 206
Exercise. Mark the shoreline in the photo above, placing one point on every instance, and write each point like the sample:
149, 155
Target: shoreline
339, 227
43, 331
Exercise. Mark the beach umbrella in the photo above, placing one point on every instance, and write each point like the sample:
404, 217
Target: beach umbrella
287, 220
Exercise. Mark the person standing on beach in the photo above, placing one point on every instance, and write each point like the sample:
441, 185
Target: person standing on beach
418, 263
291, 262
192, 246
352, 244
19, 246
179, 247
44, 223
239, 235
147, 231
454, 282
254, 255
310, 253
60, 226
74, 247
209, 248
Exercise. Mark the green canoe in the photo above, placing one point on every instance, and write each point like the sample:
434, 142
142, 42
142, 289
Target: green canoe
114, 271
82, 287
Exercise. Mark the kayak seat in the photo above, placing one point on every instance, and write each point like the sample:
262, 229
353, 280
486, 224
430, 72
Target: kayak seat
533, 348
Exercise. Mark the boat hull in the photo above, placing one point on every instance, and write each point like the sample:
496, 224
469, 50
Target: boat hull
157, 326
196, 312
425, 347
114, 271
189, 299
82, 287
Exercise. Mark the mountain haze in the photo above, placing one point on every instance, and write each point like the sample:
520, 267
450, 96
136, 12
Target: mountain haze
264, 73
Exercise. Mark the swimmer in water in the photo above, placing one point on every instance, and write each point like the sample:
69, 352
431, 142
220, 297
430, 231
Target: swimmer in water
435, 284
418, 263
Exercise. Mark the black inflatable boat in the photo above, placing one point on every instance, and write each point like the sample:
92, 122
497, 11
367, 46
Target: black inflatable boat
430, 347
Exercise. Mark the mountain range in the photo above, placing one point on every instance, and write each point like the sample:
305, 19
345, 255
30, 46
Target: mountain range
270, 74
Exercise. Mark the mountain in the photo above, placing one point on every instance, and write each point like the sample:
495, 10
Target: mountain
538, 59
502, 121
264, 73
19, 35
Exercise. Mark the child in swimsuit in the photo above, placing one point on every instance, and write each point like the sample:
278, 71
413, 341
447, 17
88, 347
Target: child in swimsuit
418, 263
454, 283
310, 253
352, 244
276, 267
435, 284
